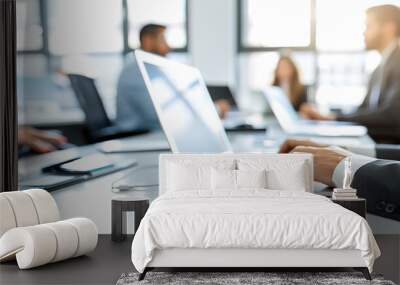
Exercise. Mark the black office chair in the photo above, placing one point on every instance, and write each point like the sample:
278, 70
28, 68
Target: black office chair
99, 126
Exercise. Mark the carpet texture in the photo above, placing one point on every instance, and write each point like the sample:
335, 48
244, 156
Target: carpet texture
243, 278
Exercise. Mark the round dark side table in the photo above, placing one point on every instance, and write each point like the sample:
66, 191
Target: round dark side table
119, 208
358, 205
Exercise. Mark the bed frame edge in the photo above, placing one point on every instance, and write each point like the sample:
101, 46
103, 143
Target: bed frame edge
363, 270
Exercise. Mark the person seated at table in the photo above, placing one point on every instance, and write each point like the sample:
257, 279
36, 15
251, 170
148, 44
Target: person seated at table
379, 111
375, 179
287, 77
134, 106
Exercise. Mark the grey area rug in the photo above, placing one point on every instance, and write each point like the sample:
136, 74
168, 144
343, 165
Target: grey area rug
225, 278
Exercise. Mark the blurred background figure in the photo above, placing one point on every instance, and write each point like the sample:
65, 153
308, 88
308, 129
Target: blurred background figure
286, 76
134, 106
379, 111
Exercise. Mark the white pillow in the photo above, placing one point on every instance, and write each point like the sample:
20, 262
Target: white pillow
188, 173
251, 178
226, 179
296, 181
223, 179
283, 173
188, 177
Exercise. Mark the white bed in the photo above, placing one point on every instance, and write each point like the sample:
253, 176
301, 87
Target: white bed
248, 227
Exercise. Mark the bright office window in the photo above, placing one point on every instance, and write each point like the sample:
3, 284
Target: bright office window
270, 23
340, 23
171, 13
29, 28
335, 64
343, 64
84, 26
344, 33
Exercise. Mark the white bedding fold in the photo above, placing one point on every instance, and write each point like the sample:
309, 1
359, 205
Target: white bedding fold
250, 219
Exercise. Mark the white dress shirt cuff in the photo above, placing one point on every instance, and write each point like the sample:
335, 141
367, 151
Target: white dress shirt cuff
357, 161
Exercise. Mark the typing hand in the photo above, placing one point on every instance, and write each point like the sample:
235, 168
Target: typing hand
40, 141
309, 111
290, 144
223, 107
325, 162
325, 158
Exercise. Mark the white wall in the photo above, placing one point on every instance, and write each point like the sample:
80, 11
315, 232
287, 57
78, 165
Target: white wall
212, 39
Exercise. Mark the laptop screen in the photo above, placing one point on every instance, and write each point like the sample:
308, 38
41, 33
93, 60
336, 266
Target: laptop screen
185, 109
281, 106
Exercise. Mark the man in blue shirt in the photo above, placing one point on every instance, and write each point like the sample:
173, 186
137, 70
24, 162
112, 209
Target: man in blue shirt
134, 106
135, 109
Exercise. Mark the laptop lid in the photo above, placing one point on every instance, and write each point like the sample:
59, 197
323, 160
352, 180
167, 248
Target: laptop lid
282, 108
184, 107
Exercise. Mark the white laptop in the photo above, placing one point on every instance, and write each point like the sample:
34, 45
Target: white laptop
293, 124
184, 107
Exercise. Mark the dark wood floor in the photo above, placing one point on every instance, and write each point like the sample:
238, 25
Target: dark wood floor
110, 260
389, 263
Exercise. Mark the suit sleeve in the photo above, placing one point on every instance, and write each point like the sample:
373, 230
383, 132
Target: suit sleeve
388, 151
379, 183
385, 115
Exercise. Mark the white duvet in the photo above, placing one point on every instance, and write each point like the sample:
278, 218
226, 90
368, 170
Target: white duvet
250, 219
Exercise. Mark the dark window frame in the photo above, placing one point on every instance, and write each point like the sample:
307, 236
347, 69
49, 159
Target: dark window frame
8, 98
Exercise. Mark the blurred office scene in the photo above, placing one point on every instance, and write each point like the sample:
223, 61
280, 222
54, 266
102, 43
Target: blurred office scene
313, 49
78, 82
106, 86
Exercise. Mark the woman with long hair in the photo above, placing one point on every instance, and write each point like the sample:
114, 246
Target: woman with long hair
287, 77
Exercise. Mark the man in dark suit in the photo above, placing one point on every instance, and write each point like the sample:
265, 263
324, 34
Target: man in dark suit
380, 110
376, 180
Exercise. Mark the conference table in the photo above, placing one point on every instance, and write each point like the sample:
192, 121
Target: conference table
92, 198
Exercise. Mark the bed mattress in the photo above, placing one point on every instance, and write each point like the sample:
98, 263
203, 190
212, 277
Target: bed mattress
251, 219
